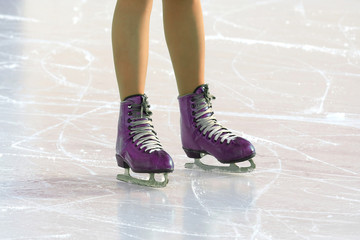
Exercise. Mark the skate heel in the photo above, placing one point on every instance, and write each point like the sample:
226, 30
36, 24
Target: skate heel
193, 154
121, 162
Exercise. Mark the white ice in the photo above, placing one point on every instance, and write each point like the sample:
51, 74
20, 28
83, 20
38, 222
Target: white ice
286, 75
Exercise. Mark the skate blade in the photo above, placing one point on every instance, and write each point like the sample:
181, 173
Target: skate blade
232, 168
152, 182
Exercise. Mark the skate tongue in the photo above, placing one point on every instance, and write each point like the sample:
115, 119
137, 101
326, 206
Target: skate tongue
140, 105
137, 99
201, 89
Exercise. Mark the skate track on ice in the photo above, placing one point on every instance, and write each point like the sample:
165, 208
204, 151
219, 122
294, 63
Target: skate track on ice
286, 75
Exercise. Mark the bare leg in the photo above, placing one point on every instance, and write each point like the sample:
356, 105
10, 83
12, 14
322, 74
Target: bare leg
130, 40
184, 31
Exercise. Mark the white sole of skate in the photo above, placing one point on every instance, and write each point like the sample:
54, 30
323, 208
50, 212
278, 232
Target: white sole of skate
232, 168
151, 182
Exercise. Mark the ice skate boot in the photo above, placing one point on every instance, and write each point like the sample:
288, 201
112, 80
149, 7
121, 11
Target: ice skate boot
201, 134
137, 146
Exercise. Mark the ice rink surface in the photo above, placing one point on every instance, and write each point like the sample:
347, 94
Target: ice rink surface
286, 75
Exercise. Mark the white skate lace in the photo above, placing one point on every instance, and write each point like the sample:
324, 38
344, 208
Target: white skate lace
141, 128
203, 114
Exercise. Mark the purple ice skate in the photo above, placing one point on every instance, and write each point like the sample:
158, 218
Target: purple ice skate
137, 146
201, 134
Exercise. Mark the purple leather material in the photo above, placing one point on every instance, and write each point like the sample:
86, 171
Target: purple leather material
130, 155
194, 142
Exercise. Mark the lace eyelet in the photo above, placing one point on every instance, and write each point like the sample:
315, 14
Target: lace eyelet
129, 107
129, 120
129, 113
192, 105
129, 127
192, 99
193, 113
